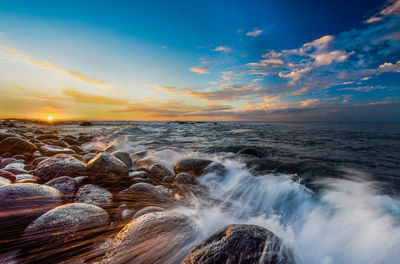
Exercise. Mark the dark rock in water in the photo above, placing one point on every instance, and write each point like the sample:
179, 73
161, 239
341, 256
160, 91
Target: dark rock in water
89, 156
96, 195
268, 165
104, 167
66, 185
86, 123
157, 238
139, 155
146, 210
185, 178
8, 175
144, 194
124, 157
81, 180
157, 172
191, 166
71, 141
6, 135
16, 145
65, 228
215, 167
20, 203
251, 151
111, 149
46, 136
240, 244
60, 165
49, 150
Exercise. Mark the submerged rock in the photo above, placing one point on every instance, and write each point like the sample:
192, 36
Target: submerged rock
191, 166
185, 178
16, 145
157, 238
240, 244
105, 167
96, 195
60, 165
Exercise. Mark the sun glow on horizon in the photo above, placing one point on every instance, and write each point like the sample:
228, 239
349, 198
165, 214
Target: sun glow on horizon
50, 118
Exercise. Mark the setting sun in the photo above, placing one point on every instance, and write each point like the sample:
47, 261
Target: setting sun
49, 118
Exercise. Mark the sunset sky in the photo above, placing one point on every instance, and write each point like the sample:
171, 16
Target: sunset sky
200, 60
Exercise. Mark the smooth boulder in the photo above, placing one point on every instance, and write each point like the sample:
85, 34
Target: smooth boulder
49, 150
66, 185
16, 145
157, 238
95, 195
124, 157
240, 244
158, 171
106, 167
191, 166
60, 165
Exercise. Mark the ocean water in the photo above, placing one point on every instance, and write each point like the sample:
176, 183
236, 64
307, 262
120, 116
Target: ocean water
330, 191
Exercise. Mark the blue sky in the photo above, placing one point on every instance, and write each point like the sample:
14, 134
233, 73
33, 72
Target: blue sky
200, 60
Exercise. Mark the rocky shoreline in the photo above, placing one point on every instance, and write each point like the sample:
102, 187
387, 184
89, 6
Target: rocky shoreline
63, 203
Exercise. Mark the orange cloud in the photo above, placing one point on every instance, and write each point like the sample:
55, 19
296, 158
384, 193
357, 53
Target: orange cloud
87, 98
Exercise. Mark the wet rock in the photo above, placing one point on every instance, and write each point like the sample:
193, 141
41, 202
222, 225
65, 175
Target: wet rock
48, 150
157, 238
111, 149
4, 181
191, 166
86, 123
123, 213
78, 157
66, 185
168, 179
107, 168
77, 149
144, 194
46, 137
62, 229
145, 162
6, 135
81, 180
251, 151
239, 244
146, 210
89, 156
71, 141
60, 165
215, 167
137, 174
157, 172
38, 160
20, 177
124, 157
20, 203
36, 154
164, 190
16, 145
8, 175
15, 166
96, 195
28, 180
185, 178
138, 155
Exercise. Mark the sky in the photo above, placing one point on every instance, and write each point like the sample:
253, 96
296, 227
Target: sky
311, 60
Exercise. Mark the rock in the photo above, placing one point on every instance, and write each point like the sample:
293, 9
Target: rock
157, 238
144, 194
168, 179
77, 149
6, 135
49, 150
36, 161
4, 181
191, 166
146, 210
137, 174
138, 155
8, 175
66, 185
251, 151
20, 203
81, 180
124, 157
215, 167
123, 213
89, 156
28, 180
60, 165
65, 228
239, 244
15, 166
46, 136
164, 190
96, 195
78, 157
157, 172
109, 167
16, 145
71, 141
185, 178
86, 123
145, 162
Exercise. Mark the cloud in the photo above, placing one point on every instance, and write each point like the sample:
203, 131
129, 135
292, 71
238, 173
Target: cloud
256, 32
391, 9
223, 49
200, 70
88, 98
13, 55
390, 67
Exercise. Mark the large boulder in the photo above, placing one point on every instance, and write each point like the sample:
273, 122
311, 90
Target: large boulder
6, 135
20, 203
240, 244
96, 195
60, 165
124, 157
50, 150
66, 185
16, 145
191, 166
64, 229
157, 238
144, 194
158, 171
105, 167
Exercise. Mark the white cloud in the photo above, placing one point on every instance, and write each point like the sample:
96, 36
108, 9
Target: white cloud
390, 67
256, 32
223, 49
391, 9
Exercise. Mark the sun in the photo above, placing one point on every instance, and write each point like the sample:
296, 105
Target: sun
49, 118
